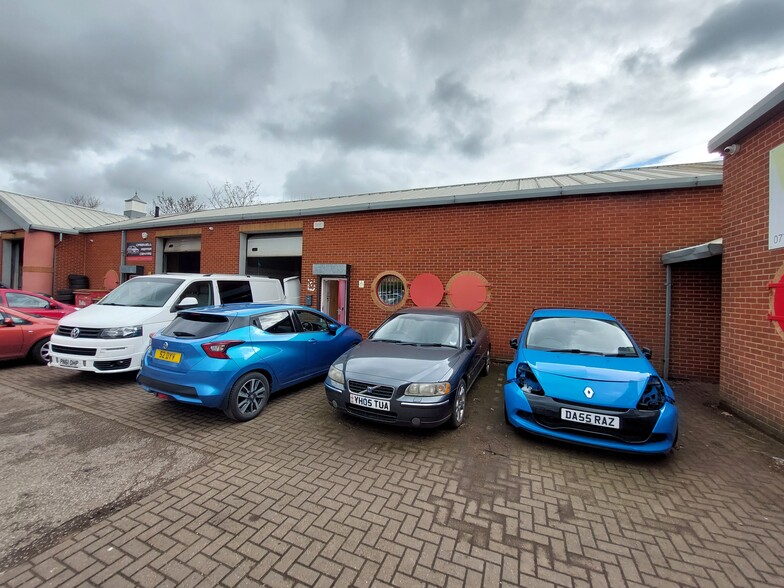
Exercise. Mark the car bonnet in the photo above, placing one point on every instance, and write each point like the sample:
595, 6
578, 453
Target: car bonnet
402, 363
605, 381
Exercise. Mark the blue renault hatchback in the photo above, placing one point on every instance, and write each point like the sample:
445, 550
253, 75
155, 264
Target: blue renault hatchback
234, 356
578, 376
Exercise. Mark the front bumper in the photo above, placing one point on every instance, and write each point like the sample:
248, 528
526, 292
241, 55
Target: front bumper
97, 355
651, 432
405, 411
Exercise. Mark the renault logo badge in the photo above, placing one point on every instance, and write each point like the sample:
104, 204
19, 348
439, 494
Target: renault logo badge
588, 392
75, 333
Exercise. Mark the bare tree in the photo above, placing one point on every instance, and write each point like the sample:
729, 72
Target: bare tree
181, 205
230, 195
85, 201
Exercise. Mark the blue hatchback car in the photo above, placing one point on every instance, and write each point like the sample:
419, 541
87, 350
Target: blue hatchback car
578, 376
234, 356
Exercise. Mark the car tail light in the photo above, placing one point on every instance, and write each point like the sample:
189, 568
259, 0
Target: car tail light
653, 397
218, 349
527, 380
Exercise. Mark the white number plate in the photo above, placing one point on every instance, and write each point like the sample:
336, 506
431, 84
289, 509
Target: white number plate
366, 402
591, 418
67, 362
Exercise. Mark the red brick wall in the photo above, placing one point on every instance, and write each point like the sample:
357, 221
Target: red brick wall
695, 335
601, 252
752, 355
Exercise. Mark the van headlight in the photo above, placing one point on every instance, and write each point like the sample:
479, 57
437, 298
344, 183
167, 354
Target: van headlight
122, 332
336, 375
430, 389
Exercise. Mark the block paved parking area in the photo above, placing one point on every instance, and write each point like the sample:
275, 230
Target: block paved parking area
302, 496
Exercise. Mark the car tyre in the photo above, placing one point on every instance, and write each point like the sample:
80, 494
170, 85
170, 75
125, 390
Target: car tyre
459, 406
39, 353
248, 397
486, 367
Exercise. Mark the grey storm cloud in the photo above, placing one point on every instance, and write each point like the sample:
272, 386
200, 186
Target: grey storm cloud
373, 115
79, 82
369, 114
326, 98
734, 30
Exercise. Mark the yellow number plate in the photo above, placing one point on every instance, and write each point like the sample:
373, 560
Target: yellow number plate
168, 355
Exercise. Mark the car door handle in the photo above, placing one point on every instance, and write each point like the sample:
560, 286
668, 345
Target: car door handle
311, 340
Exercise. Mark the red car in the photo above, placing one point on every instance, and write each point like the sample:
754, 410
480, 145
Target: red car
34, 304
22, 335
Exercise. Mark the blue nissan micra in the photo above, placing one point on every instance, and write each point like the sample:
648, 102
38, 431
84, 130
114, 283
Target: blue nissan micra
234, 356
578, 376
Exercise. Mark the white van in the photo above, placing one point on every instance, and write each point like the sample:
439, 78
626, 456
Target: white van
111, 335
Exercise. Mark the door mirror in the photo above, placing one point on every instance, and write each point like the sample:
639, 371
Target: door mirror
513, 343
332, 328
370, 333
647, 353
8, 322
470, 343
188, 301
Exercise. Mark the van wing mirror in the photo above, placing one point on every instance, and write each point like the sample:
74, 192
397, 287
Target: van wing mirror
188, 301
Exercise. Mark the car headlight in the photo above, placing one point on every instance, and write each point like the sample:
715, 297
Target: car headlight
336, 375
430, 389
122, 332
527, 381
653, 397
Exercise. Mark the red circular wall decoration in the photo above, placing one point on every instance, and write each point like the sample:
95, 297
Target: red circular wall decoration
777, 301
426, 290
467, 291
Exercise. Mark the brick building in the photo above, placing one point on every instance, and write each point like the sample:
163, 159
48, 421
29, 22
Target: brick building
752, 308
584, 240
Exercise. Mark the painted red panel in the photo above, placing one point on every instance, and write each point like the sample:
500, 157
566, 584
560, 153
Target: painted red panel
426, 290
778, 302
468, 292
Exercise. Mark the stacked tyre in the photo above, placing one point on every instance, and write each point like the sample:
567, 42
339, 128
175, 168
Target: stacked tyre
65, 295
75, 282
78, 282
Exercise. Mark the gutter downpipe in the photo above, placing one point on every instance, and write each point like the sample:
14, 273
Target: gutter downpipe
122, 256
667, 321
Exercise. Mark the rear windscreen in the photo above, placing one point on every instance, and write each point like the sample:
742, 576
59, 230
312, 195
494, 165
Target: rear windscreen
191, 325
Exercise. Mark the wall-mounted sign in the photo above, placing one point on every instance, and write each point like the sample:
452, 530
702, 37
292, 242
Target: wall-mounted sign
776, 187
138, 251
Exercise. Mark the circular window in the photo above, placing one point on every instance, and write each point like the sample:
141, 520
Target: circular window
389, 290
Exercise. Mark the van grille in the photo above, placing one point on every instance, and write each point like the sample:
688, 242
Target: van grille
84, 333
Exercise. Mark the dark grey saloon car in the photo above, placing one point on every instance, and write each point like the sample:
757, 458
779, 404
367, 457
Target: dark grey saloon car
414, 370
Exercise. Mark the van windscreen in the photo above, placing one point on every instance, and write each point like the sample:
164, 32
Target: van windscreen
141, 291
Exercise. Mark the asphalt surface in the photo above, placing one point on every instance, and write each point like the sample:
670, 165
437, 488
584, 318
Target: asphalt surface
302, 496
61, 469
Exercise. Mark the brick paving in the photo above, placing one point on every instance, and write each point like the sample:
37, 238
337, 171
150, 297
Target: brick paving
302, 496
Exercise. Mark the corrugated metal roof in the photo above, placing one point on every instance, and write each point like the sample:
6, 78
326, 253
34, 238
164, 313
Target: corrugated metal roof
752, 118
626, 180
49, 215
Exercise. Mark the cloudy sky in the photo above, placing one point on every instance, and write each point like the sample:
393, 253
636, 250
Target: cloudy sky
331, 97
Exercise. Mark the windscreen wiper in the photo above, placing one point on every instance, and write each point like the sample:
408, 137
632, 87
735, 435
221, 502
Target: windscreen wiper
580, 351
